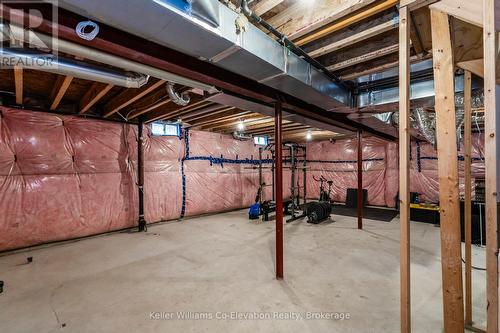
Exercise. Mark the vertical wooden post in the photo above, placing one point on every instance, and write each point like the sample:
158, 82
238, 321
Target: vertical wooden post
467, 196
490, 43
360, 180
278, 183
404, 166
451, 260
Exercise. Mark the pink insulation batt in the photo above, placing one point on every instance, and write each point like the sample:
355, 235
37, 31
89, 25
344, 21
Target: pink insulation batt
63, 177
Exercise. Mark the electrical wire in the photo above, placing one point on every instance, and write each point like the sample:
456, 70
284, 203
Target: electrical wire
80, 30
474, 267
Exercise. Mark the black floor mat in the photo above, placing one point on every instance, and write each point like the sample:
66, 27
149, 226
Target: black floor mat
384, 215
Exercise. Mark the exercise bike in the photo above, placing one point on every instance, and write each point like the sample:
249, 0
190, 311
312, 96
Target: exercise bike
324, 196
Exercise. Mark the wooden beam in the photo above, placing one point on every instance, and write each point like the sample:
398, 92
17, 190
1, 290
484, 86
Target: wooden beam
467, 195
356, 38
476, 66
93, 95
365, 57
490, 42
404, 168
18, 81
451, 260
264, 6
130, 96
62, 84
465, 10
415, 4
346, 21
302, 18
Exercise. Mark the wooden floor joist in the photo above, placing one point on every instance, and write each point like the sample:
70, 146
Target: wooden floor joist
491, 15
404, 168
365, 57
356, 38
93, 95
264, 6
451, 260
18, 81
62, 84
308, 18
347, 20
130, 96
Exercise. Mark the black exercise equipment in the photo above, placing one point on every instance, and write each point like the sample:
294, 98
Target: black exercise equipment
352, 197
320, 211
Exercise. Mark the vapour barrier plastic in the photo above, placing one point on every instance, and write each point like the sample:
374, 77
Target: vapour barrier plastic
337, 161
62, 177
162, 176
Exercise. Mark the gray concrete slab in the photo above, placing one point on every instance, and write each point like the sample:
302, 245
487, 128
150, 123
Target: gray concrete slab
215, 265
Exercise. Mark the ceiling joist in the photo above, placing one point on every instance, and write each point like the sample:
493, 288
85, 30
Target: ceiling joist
62, 84
18, 79
93, 95
129, 96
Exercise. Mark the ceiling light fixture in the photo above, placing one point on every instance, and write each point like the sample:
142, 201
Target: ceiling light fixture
241, 125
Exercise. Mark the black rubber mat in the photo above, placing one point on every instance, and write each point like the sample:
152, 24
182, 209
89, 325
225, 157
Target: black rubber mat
371, 213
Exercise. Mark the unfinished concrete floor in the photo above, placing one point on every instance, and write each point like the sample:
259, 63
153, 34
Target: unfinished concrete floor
225, 263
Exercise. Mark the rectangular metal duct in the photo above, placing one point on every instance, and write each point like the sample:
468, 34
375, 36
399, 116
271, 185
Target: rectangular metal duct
247, 51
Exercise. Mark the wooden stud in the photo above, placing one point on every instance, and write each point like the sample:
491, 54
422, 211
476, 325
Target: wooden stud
356, 38
468, 196
278, 189
404, 168
129, 96
62, 84
18, 80
490, 41
451, 260
93, 95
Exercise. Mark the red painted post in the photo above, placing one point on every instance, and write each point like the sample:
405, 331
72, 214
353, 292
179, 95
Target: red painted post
360, 181
278, 183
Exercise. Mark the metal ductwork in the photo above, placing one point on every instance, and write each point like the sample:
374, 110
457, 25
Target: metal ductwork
58, 65
179, 98
14, 32
242, 136
246, 50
